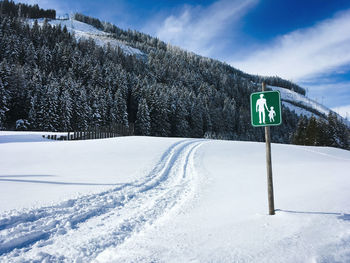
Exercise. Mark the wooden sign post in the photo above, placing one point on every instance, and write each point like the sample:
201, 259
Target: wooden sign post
263, 104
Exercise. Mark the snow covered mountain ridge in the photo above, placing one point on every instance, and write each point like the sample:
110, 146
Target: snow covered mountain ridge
294, 101
302, 105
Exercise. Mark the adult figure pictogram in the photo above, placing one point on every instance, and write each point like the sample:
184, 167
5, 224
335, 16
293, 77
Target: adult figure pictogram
260, 107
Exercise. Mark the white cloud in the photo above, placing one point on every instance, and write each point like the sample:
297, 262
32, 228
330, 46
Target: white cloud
196, 28
304, 53
328, 92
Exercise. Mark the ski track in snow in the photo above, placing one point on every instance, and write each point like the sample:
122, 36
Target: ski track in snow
79, 229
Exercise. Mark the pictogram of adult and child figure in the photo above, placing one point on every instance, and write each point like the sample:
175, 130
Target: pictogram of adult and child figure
261, 106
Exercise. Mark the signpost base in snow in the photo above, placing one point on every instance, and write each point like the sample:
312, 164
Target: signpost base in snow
269, 172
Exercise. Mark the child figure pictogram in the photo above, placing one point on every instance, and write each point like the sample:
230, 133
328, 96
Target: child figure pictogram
272, 114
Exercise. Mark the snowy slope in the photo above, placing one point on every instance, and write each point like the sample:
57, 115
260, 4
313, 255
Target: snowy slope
292, 100
148, 199
86, 31
289, 95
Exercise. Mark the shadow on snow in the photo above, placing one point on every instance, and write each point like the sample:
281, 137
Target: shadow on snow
341, 216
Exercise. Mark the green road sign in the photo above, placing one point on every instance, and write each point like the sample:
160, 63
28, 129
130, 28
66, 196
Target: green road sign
265, 108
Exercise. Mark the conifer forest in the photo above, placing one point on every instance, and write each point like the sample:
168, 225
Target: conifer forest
50, 81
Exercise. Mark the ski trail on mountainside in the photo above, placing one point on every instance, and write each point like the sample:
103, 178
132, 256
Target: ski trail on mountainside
79, 229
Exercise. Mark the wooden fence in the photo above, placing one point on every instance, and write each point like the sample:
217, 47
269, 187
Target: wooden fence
115, 130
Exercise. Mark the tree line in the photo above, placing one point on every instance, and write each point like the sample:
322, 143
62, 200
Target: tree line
322, 132
10, 8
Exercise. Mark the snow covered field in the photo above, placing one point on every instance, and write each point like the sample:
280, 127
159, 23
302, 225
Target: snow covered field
148, 199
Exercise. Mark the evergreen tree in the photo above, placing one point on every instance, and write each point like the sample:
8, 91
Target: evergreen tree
339, 133
18, 103
180, 123
65, 110
300, 133
229, 117
30, 56
33, 112
344, 135
3, 104
108, 105
48, 111
159, 112
81, 110
143, 121
311, 132
120, 114
322, 133
332, 130
96, 118
196, 120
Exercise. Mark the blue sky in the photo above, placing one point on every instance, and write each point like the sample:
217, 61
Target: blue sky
306, 41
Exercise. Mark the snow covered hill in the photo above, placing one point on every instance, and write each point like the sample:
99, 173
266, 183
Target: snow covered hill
84, 31
149, 199
293, 100
289, 96
302, 105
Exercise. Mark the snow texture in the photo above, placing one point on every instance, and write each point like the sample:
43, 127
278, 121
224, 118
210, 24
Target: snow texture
289, 95
148, 199
299, 111
298, 98
85, 31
